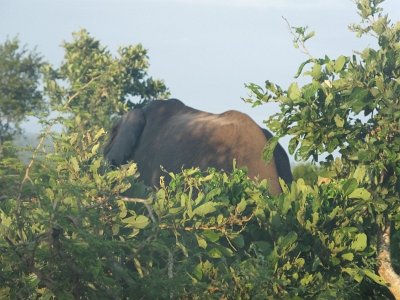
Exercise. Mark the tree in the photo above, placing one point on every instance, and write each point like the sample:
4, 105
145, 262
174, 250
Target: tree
20, 73
101, 85
40, 200
352, 105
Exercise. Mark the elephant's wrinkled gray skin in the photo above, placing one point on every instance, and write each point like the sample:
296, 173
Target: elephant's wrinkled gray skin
172, 135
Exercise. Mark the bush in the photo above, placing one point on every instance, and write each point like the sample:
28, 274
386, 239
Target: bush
70, 232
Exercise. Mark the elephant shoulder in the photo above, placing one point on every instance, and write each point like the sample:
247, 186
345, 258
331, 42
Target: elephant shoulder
242, 120
235, 115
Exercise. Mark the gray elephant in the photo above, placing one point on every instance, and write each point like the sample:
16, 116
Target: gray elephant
175, 136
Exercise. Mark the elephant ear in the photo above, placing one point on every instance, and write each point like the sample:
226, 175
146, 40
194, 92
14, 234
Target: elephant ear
124, 137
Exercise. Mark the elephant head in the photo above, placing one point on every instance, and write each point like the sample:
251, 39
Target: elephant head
175, 136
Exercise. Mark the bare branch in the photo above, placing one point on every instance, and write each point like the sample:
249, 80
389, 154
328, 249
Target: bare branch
298, 40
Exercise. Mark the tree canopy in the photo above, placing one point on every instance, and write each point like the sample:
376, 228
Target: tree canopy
350, 105
20, 74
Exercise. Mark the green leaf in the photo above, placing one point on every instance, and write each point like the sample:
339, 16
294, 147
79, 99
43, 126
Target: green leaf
380, 205
100, 133
339, 63
354, 273
360, 101
49, 193
138, 222
74, 163
213, 193
241, 206
376, 278
202, 242
349, 186
316, 71
122, 207
360, 193
204, 209
348, 256
328, 99
215, 253
131, 170
211, 235
303, 64
333, 213
307, 279
294, 92
220, 219
359, 173
286, 203
339, 121
198, 271
115, 229
268, 152
293, 143
95, 148
308, 36
360, 242
288, 240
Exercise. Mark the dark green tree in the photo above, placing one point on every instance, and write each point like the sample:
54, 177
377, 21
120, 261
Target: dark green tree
99, 85
20, 74
351, 106
307, 171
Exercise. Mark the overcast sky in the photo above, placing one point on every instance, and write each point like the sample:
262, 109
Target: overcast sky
205, 50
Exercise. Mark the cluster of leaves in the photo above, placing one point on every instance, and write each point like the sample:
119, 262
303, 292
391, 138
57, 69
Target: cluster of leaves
58, 213
351, 106
95, 85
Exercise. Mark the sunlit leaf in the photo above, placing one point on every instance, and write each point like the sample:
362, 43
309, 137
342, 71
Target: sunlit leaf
360, 242
360, 193
204, 209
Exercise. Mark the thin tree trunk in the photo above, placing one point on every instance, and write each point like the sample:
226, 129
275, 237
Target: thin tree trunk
385, 269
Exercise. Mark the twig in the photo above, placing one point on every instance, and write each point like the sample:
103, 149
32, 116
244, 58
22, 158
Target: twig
79, 91
297, 39
230, 243
221, 228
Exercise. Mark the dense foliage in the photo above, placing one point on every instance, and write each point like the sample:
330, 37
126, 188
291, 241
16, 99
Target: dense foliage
72, 227
351, 105
68, 232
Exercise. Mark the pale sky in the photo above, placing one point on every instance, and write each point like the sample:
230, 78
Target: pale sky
205, 50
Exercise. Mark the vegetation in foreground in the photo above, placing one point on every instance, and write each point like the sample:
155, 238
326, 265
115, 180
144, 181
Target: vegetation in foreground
67, 230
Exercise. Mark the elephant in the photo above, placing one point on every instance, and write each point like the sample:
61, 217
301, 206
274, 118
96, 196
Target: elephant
170, 134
